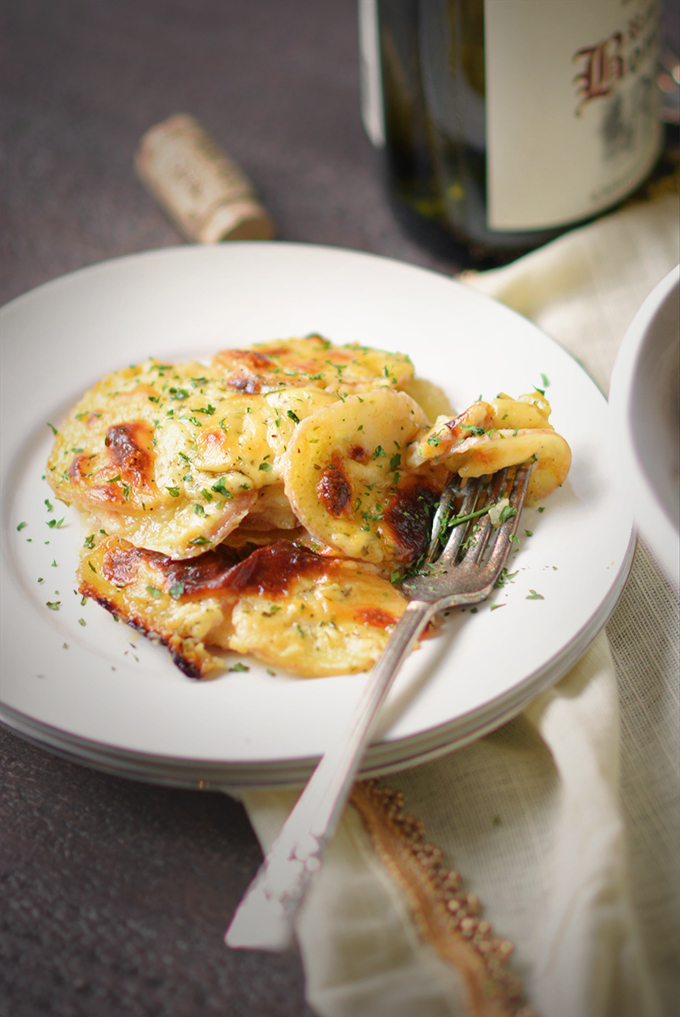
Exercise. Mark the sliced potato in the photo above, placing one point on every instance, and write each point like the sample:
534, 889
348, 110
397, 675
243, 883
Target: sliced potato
178, 532
167, 457
312, 360
430, 397
271, 511
311, 614
183, 604
285, 604
345, 477
488, 453
490, 436
502, 413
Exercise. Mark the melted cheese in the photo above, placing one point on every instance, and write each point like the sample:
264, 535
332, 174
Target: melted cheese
346, 476
285, 604
297, 362
171, 459
491, 436
199, 477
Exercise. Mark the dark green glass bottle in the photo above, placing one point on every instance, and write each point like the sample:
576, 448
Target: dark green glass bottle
431, 60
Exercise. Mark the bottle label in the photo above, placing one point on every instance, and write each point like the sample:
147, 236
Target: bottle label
572, 107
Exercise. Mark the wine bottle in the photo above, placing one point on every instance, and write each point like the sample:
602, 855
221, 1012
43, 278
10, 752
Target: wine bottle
505, 122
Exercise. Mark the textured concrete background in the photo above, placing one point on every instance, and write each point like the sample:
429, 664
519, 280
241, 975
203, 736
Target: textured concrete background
275, 83
114, 896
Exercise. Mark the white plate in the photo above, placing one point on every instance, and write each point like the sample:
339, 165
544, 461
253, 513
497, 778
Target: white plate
644, 401
98, 693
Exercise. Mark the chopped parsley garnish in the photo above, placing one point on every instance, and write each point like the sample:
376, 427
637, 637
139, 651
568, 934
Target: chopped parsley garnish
221, 489
532, 595
505, 577
454, 521
507, 512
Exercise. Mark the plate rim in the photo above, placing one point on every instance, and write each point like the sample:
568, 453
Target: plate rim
549, 678
651, 520
231, 778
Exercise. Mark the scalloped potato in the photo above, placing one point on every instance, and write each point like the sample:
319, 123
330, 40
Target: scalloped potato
261, 504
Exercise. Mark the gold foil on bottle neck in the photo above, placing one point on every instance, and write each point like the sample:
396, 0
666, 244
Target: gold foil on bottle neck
205, 193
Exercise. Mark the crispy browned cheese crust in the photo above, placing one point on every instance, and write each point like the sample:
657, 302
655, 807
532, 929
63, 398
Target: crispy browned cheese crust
284, 603
182, 604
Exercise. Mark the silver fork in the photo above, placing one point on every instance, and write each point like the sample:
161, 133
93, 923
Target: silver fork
265, 917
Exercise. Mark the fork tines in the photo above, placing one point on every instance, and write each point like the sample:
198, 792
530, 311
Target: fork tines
468, 531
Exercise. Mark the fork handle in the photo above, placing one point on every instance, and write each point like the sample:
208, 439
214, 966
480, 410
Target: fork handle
265, 917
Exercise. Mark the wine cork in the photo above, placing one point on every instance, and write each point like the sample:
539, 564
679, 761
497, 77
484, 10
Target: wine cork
199, 186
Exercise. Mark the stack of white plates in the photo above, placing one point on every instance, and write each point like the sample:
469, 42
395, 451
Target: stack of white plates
88, 688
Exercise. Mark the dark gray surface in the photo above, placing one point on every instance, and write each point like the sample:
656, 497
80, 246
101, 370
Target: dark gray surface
275, 83
114, 896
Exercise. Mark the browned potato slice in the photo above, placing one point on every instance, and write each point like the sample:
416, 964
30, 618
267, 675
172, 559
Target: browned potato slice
183, 604
347, 482
168, 458
285, 604
310, 613
490, 436
488, 453
312, 360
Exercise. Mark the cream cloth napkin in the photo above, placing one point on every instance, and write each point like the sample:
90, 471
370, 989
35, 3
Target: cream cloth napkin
564, 822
